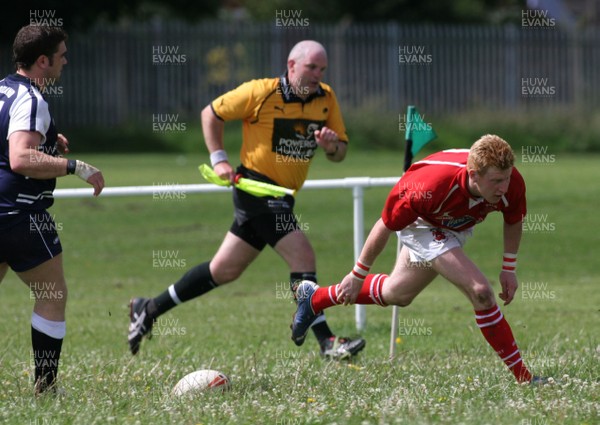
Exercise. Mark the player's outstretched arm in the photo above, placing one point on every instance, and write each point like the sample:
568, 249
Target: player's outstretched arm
374, 245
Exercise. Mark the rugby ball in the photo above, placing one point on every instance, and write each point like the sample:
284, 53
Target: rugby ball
201, 381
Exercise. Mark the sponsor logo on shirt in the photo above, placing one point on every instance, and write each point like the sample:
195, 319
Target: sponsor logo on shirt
295, 138
454, 223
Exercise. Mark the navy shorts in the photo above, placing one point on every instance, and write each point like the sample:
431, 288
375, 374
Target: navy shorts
29, 240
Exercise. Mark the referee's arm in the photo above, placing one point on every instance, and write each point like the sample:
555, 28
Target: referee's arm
213, 129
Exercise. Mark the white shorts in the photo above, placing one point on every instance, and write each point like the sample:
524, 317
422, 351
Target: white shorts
426, 242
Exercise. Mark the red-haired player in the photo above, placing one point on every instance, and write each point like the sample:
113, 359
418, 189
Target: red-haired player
433, 208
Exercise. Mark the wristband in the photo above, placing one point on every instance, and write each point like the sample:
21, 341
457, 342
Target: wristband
71, 166
84, 171
509, 262
337, 147
218, 156
360, 270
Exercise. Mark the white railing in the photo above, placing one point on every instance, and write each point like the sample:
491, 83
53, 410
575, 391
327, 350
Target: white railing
357, 184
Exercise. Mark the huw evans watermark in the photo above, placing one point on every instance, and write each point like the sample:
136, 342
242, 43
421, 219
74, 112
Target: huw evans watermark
537, 87
44, 223
168, 192
168, 259
163, 123
43, 358
537, 291
168, 55
537, 155
292, 154
293, 87
283, 291
44, 18
538, 223
43, 421
413, 327
48, 86
420, 264
537, 19
414, 190
168, 326
404, 124
286, 223
45, 291
414, 55
290, 18
535, 420
291, 360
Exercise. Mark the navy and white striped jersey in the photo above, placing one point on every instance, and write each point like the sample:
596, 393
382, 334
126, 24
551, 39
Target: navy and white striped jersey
22, 107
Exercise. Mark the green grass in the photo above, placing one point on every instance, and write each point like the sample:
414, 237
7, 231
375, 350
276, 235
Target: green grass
446, 375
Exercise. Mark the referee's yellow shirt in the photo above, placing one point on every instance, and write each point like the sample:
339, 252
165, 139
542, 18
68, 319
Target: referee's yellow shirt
278, 138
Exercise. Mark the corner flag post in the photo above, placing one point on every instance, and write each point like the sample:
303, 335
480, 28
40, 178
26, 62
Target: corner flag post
417, 135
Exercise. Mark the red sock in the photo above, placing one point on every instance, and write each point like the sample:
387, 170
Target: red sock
498, 334
370, 293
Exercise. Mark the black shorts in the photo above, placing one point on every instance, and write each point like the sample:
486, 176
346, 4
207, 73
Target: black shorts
262, 220
29, 240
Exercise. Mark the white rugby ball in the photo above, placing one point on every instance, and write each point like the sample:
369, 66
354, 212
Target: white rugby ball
200, 381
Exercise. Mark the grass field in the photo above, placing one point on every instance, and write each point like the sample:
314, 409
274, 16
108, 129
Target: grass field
444, 371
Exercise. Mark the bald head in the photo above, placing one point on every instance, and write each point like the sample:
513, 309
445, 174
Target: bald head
306, 48
306, 64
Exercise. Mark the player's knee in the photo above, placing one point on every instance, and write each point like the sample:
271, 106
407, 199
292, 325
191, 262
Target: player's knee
483, 295
52, 301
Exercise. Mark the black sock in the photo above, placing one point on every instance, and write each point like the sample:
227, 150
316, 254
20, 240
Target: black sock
321, 330
197, 281
46, 355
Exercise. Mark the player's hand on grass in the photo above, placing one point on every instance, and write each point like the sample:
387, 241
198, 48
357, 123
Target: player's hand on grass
349, 289
225, 171
509, 284
327, 139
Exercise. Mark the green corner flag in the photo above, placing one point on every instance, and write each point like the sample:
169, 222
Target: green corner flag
418, 134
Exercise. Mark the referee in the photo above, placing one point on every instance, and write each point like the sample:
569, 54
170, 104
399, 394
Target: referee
286, 121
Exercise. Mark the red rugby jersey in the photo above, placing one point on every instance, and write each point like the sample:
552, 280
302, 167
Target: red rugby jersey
435, 189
